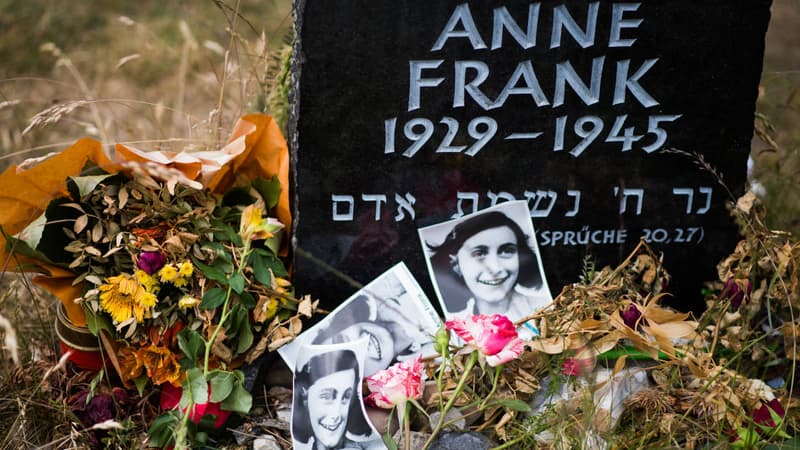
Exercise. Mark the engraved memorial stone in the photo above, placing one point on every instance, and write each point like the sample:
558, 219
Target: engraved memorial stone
408, 113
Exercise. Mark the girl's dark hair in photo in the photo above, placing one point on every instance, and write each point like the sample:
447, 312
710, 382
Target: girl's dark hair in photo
358, 312
317, 367
444, 254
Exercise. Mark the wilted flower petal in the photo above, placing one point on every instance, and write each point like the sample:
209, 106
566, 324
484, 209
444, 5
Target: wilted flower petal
631, 316
187, 301
763, 416
151, 262
253, 226
161, 364
734, 293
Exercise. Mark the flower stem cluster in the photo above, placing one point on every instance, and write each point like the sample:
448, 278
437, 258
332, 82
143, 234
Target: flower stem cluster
490, 340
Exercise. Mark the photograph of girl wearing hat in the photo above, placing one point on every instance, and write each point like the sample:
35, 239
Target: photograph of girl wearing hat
488, 262
326, 412
393, 314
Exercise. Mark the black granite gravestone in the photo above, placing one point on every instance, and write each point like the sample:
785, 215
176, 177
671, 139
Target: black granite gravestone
410, 112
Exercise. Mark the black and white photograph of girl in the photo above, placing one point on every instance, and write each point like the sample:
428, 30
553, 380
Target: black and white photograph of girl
488, 262
327, 410
392, 312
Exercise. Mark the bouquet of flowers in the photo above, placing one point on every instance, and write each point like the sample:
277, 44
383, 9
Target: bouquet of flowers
170, 261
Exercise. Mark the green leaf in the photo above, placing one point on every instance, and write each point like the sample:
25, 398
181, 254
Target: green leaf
240, 326
21, 247
221, 384
270, 261
793, 443
219, 249
514, 404
237, 283
239, 376
223, 265
86, 185
239, 401
260, 270
245, 336
32, 234
388, 441
190, 342
212, 273
195, 388
162, 431
284, 314
96, 322
213, 298
247, 300
227, 233
201, 437
141, 383
748, 438
95, 381
233, 321
270, 190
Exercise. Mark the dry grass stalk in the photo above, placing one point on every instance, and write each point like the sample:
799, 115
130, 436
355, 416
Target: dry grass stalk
53, 114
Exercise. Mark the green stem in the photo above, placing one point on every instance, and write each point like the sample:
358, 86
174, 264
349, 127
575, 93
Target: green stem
180, 433
406, 411
473, 358
497, 371
213, 337
225, 311
509, 443
439, 381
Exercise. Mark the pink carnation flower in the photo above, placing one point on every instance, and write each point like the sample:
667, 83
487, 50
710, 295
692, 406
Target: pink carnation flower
396, 385
493, 335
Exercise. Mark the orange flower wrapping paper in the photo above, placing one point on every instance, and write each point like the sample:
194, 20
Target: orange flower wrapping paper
255, 149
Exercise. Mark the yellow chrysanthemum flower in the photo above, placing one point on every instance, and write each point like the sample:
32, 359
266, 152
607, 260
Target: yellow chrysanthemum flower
185, 269
147, 300
272, 308
187, 301
168, 273
180, 282
123, 297
281, 284
149, 282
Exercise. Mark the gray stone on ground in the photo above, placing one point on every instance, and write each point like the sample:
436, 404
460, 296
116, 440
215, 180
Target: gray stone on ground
266, 442
418, 439
456, 440
453, 416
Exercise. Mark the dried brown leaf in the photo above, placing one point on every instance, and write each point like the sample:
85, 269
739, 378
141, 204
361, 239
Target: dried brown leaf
305, 308
92, 251
80, 224
122, 196
745, 202
552, 346
97, 232
277, 343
